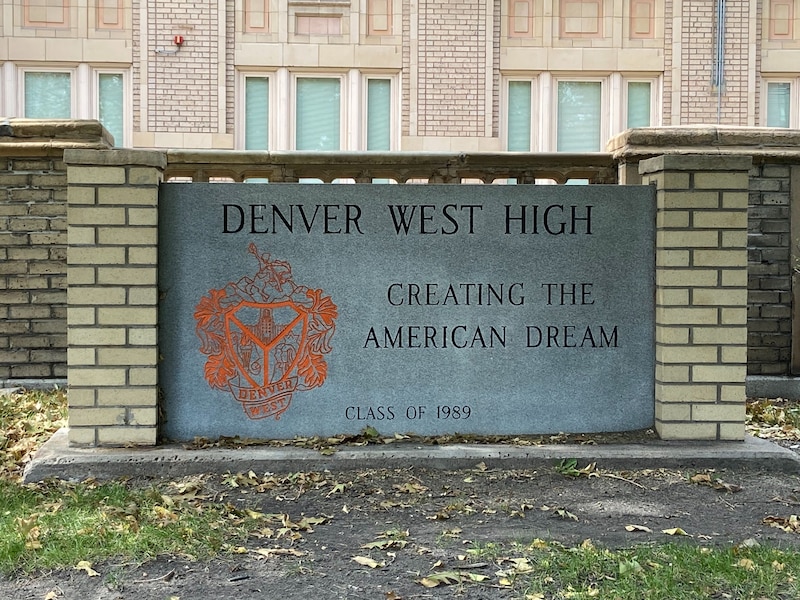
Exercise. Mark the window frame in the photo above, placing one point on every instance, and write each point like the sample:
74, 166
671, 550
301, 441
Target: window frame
794, 100
23, 70
534, 82
240, 131
605, 120
394, 104
544, 103
343, 104
655, 96
127, 125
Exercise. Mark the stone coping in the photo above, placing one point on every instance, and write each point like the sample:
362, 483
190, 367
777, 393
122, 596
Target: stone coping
778, 144
283, 166
21, 134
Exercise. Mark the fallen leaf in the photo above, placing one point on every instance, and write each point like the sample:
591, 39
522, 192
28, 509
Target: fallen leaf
564, 514
268, 552
714, 482
336, 489
638, 528
85, 565
674, 531
368, 562
443, 578
746, 564
384, 544
410, 488
790, 524
700, 478
626, 567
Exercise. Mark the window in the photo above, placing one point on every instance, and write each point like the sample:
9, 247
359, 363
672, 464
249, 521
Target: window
47, 94
638, 104
519, 116
111, 104
779, 104
547, 113
57, 94
318, 113
379, 114
579, 109
256, 113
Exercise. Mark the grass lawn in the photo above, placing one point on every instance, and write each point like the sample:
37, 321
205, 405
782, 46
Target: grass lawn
59, 524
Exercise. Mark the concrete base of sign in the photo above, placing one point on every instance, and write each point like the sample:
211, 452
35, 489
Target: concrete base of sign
57, 459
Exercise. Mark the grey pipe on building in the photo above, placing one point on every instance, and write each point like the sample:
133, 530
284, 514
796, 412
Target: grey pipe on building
718, 76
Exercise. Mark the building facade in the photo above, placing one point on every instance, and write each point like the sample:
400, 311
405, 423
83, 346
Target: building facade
411, 75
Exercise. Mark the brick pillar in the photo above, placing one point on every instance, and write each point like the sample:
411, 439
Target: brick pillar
112, 295
701, 294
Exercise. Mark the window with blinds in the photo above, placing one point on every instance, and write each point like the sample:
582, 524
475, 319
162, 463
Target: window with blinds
579, 110
318, 113
639, 103
111, 105
779, 104
379, 114
47, 95
548, 113
519, 116
256, 113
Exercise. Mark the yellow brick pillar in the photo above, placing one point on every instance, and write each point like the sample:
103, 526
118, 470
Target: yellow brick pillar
701, 294
112, 296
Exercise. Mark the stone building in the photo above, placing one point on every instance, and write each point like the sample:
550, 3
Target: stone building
455, 75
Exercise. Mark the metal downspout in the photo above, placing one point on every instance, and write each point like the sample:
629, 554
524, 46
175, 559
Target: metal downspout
719, 58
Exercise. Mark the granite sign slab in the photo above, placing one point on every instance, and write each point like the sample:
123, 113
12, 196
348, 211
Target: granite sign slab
291, 309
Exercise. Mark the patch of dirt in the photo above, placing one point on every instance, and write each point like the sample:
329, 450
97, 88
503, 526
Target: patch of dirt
444, 514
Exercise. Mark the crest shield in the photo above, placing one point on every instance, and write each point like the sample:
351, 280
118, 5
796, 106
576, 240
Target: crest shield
265, 337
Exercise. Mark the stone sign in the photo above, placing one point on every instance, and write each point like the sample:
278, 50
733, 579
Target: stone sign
296, 309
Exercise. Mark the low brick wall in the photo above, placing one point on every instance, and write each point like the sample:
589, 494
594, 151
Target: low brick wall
774, 187
769, 269
33, 245
700, 305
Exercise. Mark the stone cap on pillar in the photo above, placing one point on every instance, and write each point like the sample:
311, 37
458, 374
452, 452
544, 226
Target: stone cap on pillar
50, 137
773, 143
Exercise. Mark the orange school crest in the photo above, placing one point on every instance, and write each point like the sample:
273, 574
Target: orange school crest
265, 337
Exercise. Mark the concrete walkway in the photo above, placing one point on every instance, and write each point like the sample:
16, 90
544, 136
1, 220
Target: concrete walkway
56, 459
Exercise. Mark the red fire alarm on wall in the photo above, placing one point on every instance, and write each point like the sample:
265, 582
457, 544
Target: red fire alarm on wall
178, 39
